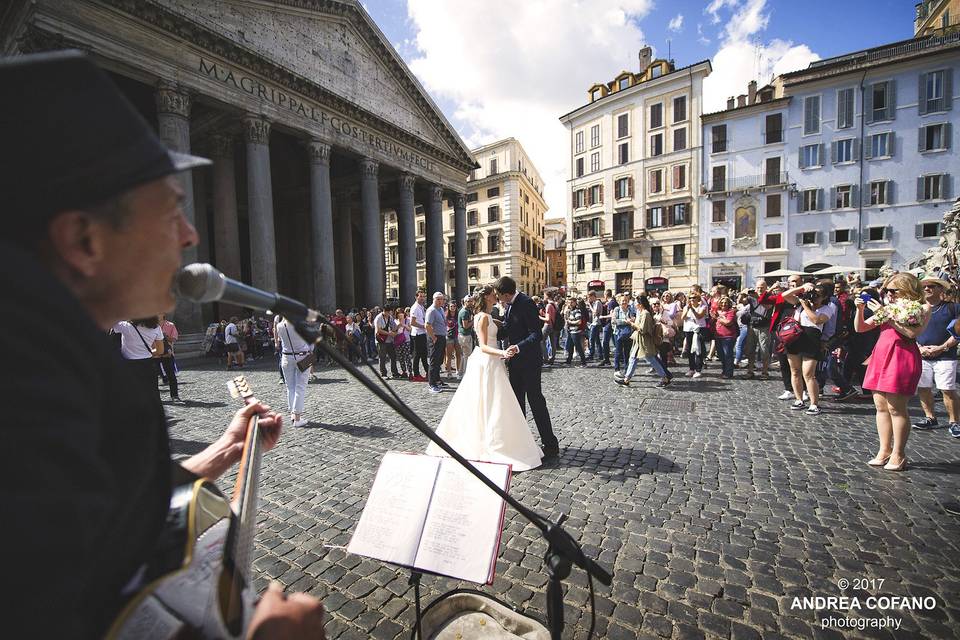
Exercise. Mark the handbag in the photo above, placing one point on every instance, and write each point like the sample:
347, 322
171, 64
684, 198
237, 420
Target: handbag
305, 362
788, 332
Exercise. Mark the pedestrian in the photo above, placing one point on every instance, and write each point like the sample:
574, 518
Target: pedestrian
597, 309
551, 334
167, 362
466, 334
386, 328
694, 318
574, 319
622, 322
609, 304
938, 351
293, 352
436, 326
418, 314
746, 302
726, 335
141, 343
760, 346
231, 338
646, 337
402, 342
454, 355
813, 311
895, 367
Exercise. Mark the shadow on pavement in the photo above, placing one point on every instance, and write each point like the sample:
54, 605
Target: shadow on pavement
187, 447
952, 468
614, 463
351, 429
328, 381
195, 404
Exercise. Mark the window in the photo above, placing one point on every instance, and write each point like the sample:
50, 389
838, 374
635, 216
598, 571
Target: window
933, 97
595, 94
654, 217
718, 138
656, 116
809, 200
935, 187
928, 230
578, 142
873, 269
472, 197
772, 172
810, 156
844, 151
934, 137
623, 153
679, 177
579, 170
493, 243
718, 245
845, 104
474, 273
595, 162
493, 214
679, 109
880, 145
841, 236
656, 72
881, 98
473, 245
392, 233
493, 166
623, 225
595, 136
679, 254
495, 271
771, 265
774, 203
421, 253
719, 182
656, 181
811, 115
678, 214
393, 255
472, 218
843, 197
656, 256
878, 234
773, 241
656, 144
595, 261
579, 198
596, 194
421, 228
623, 254
807, 238
773, 128
623, 188
623, 83
452, 249
881, 192
719, 211
680, 139
623, 125
493, 192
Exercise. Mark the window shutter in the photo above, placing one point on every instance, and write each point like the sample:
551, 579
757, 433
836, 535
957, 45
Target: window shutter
922, 94
649, 219
630, 187
891, 100
868, 150
888, 233
918, 230
820, 154
948, 89
920, 188
573, 200
947, 133
799, 239
669, 216
800, 159
891, 144
921, 139
945, 186
601, 195
856, 148
855, 195
868, 103
819, 199
833, 198
853, 235
891, 199
589, 196
841, 108
833, 152
833, 236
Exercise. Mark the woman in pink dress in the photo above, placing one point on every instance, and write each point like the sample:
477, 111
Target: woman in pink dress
894, 370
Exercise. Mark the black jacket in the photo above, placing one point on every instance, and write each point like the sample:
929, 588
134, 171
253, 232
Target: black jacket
523, 327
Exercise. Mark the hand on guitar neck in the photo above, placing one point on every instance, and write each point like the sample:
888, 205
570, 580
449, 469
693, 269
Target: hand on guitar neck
213, 461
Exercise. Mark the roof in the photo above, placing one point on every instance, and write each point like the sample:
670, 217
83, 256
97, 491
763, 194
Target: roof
640, 84
744, 108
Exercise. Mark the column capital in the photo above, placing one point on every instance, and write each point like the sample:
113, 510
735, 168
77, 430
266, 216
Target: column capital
172, 99
221, 146
319, 151
369, 168
460, 201
407, 182
256, 129
436, 193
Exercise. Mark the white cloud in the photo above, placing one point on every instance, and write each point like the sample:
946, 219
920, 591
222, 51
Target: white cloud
512, 69
743, 55
676, 24
714, 9
701, 36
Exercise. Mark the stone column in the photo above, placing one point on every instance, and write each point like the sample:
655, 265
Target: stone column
343, 231
373, 284
321, 222
436, 265
173, 119
263, 248
407, 240
226, 229
460, 244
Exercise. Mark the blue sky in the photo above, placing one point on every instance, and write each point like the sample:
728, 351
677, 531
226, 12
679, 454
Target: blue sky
500, 68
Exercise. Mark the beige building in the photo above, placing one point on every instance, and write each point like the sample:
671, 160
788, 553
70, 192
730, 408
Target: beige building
634, 162
936, 18
555, 241
505, 224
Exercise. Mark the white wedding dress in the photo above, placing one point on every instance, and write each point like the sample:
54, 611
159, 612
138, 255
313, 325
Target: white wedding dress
484, 421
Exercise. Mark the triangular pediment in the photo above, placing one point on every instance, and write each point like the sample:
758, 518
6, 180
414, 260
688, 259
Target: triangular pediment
335, 45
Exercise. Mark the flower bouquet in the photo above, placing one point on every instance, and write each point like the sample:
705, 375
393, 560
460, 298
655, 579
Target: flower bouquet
907, 313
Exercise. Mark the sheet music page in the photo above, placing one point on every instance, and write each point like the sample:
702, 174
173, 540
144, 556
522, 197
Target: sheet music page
462, 530
392, 520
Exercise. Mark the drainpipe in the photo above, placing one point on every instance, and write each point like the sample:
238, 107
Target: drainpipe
863, 152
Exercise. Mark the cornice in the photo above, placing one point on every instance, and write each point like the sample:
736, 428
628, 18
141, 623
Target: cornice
191, 31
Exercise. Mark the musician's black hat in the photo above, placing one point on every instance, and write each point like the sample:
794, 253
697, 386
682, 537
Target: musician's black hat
71, 139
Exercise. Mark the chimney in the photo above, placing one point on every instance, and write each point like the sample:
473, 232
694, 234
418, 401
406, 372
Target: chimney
731, 102
646, 57
752, 91
741, 100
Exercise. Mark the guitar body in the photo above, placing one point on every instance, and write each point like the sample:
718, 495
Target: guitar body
188, 583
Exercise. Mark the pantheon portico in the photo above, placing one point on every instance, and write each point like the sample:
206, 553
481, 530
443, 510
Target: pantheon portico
315, 126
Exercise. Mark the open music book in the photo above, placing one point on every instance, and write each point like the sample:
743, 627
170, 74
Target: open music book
429, 513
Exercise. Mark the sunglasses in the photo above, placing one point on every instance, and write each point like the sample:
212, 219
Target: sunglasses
886, 291
932, 286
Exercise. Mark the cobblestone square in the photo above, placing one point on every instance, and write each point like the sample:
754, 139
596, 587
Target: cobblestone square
712, 503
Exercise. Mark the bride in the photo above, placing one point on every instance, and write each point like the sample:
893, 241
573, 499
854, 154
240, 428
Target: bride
484, 421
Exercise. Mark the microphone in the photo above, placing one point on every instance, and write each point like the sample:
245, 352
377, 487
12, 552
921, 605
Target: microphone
202, 282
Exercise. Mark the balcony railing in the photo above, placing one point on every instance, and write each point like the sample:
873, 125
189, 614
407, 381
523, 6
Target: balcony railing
742, 183
627, 236
718, 146
944, 36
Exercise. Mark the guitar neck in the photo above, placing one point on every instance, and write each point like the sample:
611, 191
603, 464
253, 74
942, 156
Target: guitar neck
246, 498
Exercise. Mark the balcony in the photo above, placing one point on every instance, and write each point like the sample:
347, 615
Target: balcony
620, 237
746, 183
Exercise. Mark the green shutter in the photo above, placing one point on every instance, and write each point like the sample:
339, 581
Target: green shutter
891, 100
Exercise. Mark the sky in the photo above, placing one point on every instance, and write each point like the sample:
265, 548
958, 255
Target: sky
502, 68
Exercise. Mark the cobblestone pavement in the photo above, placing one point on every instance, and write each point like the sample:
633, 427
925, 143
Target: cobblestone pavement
713, 504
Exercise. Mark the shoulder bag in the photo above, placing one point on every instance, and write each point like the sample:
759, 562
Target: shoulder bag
305, 362
788, 332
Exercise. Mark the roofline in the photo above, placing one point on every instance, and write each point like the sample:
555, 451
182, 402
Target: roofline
641, 84
716, 115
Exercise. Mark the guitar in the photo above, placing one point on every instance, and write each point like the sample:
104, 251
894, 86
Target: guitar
198, 583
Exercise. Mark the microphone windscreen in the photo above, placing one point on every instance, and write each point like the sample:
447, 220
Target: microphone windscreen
200, 282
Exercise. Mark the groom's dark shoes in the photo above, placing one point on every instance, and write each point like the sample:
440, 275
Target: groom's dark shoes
551, 452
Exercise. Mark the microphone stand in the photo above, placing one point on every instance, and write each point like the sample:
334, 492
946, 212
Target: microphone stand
562, 550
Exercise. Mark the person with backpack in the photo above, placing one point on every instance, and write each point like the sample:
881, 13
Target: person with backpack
622, 322
761, 321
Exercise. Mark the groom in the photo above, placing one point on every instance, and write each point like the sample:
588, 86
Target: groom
522, 327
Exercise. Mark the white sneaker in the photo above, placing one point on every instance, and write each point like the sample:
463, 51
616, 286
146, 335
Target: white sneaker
689, 374
302, 422
696, 374
805, 396
786, 395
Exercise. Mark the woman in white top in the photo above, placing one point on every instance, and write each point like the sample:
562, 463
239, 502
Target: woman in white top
813, 311
694, 318
140, 342
293, 348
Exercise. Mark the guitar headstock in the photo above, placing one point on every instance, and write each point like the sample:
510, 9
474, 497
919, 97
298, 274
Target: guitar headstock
240, 388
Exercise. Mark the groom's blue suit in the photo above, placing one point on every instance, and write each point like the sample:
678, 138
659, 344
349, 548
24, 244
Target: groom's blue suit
522, 327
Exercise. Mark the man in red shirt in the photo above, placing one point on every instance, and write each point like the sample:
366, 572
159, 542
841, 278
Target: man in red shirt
780, 309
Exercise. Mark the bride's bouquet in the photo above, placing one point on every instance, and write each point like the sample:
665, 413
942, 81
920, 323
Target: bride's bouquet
908, 313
